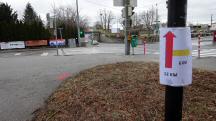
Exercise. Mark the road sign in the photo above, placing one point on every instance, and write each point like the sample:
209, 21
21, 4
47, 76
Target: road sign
121, 3
175, 57
133, 3
118, 2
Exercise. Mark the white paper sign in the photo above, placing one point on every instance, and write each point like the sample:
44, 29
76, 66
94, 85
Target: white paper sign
175, 56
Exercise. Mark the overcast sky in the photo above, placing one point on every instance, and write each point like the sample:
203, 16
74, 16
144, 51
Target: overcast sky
199, 11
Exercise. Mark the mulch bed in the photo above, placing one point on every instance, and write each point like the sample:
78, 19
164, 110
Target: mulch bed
126, 91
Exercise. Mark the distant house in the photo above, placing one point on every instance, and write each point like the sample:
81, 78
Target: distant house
205, 28
213, 27
116, 28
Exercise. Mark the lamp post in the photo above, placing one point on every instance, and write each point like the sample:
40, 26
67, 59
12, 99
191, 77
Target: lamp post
60, 30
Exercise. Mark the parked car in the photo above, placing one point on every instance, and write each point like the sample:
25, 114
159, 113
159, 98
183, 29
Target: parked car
95, 42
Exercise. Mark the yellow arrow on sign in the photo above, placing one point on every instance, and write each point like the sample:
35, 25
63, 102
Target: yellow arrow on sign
181, 52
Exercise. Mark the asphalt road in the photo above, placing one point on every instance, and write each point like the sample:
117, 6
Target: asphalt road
28, 77
27, 81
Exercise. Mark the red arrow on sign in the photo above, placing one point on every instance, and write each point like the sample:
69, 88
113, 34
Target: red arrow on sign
169, 49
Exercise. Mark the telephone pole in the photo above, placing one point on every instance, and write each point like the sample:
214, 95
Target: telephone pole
55, 31
211, 19
177, 12
78, 27
101, 18
127, 26
157, 22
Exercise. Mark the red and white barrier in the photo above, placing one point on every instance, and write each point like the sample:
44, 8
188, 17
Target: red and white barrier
199, 47
144, 44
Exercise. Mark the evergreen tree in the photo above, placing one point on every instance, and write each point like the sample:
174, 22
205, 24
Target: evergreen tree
12, 29
7, 14
30, 15
35, 27
8, 20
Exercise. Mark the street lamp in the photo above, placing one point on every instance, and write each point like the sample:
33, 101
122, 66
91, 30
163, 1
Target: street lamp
101, 15
60, 30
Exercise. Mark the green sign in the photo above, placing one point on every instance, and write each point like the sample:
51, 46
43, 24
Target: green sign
134, 41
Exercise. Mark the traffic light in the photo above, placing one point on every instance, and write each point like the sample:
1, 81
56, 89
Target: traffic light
132, 11
82, 34
129, 22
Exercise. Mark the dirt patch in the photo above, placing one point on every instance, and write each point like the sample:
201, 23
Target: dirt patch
127, 92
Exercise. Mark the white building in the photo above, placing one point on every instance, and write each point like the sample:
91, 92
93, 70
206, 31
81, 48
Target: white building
213, 27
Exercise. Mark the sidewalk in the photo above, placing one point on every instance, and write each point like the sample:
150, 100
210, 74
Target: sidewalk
207, 63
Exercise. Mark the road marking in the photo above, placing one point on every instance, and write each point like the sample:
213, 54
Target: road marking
205, 50
205, 53
44, 54
156, 53
63, 76
17, 54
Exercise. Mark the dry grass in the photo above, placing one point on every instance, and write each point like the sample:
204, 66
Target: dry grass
126, 92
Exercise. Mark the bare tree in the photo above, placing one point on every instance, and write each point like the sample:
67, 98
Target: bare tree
148, 18
106, 19
66, 19
84, 23
101, 19
98, 25
109, 19
136, 21
67, 16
